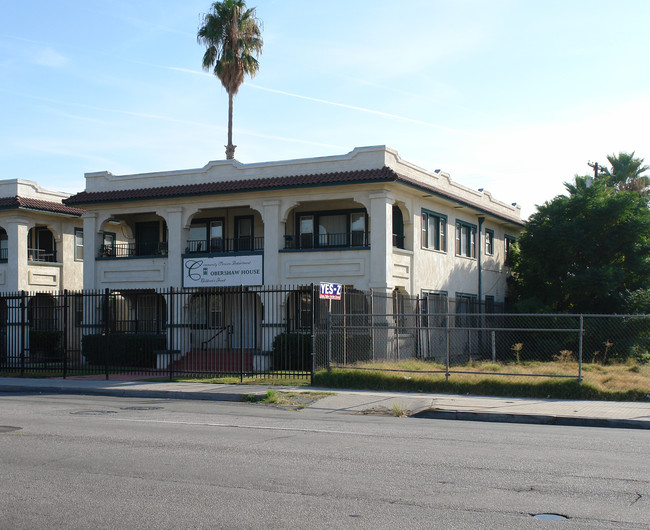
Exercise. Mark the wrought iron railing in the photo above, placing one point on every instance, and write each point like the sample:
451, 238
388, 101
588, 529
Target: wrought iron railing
343, 240
219, 244
124, 250
38, 254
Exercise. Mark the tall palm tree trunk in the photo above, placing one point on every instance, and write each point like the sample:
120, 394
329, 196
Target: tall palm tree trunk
230, 149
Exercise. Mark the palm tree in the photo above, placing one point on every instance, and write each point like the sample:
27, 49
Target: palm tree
233, 39
627, 173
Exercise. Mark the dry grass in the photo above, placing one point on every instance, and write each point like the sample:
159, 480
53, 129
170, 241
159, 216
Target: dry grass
628, 381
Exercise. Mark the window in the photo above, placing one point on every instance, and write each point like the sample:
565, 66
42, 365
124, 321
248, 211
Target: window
434, 231
508, 242
489, 304
41, 245
489, 242
465, 305
398, 227
205, 235
3, 245
435, 306
78, 244
243, 233
331, 229
465, 239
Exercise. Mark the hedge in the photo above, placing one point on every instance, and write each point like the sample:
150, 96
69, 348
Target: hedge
127, 350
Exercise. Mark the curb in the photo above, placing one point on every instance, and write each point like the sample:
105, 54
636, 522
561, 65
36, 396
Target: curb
152, 394
538, 419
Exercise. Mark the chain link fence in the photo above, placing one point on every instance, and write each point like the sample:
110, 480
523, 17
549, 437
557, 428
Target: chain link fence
484, 343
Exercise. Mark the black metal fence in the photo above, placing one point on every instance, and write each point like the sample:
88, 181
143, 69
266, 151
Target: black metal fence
288, 331
240, 331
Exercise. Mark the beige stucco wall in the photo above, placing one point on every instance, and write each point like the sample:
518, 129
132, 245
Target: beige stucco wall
381, 267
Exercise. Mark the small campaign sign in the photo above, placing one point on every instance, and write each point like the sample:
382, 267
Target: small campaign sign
331, 291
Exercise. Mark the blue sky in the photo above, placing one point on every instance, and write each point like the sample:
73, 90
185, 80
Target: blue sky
511, 96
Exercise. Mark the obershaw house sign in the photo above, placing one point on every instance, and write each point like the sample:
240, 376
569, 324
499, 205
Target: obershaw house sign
228, 271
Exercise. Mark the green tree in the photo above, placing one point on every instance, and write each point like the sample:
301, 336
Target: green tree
627, 173
584, 252
233, 39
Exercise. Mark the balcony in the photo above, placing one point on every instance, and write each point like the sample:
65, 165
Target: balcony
38, 254
220, 245
327, 241
131, 250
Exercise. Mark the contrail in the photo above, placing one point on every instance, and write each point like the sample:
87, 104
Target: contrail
336, 104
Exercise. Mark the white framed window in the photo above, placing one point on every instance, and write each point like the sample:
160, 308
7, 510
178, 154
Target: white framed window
465, 239
434, 231
489, 242
78, 244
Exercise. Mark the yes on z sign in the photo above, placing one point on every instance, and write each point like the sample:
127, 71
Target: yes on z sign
330, 291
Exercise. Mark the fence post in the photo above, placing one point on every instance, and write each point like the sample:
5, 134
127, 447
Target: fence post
241, 333
64, 339
494, 346
448, 333
106, 331
23, 331
170, 333
372, 324
313, 336
329, 336
581, 332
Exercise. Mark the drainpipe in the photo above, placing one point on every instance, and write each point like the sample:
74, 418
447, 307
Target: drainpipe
478, 258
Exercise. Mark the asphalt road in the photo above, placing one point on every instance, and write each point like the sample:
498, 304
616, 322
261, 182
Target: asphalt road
93, 462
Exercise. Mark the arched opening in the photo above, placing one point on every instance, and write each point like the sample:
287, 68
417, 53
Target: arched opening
138, 311
134, 235
3, 245
41, 245
398, 227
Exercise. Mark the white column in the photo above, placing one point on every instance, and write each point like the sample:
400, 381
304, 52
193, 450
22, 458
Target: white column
174, 218
91, 247
381, 240
271, 219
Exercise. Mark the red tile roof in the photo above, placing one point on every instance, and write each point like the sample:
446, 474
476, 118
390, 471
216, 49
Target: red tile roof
384, 174
27, 203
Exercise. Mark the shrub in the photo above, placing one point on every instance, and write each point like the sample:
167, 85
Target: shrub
292, 351
126, 350
45, 345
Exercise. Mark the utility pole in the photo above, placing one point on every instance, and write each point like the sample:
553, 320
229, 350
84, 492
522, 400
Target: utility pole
597, 167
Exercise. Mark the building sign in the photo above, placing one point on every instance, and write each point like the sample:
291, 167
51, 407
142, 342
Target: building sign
226, 271
331, 291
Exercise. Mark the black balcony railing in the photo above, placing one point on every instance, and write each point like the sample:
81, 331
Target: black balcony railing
125, 250
38, 254
220, 244
326, 241
398, 241
4, 254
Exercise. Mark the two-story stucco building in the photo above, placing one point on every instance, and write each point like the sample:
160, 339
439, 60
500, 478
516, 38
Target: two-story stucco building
367, 219
41, 239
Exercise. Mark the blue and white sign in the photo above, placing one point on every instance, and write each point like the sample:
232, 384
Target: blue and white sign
226, 271
330, 291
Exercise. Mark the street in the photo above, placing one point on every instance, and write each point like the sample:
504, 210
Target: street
105, 462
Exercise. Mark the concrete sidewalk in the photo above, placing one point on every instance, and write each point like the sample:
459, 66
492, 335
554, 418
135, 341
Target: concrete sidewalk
635, 415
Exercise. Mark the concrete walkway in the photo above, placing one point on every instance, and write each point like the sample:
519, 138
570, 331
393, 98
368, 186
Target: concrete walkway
635, 415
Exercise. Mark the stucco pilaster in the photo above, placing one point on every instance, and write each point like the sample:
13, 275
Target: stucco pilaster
17, 230
271, 218
91, 247
381, 239
174, 218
